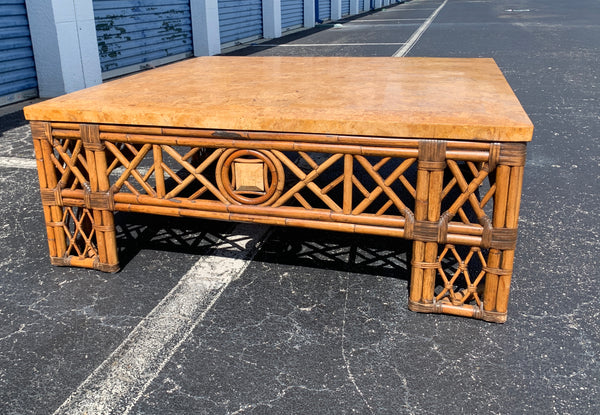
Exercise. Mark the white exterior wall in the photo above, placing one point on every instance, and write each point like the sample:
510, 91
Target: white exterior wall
271, 18
336, 9
205, 27
65, 48
309, 13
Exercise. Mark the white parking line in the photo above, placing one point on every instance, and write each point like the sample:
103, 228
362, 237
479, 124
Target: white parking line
119, 382
18, 163
402, 9
377, 20
419, 32
292, 45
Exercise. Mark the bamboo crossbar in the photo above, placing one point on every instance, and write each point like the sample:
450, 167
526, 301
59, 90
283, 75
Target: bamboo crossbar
457, 150
458, 233
72, 130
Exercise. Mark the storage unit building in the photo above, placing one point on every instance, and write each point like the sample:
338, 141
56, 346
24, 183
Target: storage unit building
240, 21
292, 14
136, 34
323, 11
18, 79
80, 43
345, 7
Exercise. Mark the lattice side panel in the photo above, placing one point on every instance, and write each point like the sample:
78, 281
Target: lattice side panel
461, 271
79, 227
349, 184
68, 157
187, 173
467, 196
131, 168
164, 171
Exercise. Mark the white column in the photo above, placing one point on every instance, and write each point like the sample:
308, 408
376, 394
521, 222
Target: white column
309, 13
354, 6
65, 48
336, 9
205, 27
271, 18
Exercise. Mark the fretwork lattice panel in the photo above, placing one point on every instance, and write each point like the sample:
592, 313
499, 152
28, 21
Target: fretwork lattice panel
79, 228
460, 275
70, 161
467, 196
372, 185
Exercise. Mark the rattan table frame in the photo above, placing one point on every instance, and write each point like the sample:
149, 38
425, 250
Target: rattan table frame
89, 171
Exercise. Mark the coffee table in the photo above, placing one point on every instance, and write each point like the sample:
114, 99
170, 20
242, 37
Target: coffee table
426, 149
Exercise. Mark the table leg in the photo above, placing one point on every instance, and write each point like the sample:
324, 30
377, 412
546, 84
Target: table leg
430, 178
499, 236
76, 199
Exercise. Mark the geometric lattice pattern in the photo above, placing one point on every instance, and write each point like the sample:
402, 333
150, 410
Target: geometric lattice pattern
78, 225
378, 185
69, 160
460, 276
464, 199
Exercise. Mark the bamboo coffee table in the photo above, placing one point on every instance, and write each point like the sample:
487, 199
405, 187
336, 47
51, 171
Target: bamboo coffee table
386, 146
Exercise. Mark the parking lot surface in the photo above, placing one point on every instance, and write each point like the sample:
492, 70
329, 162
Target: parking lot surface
218, 318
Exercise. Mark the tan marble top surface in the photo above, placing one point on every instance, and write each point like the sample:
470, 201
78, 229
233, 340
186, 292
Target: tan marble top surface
395, 97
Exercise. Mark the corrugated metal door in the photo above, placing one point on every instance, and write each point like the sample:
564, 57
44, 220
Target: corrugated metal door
17, 69
345, 7
240, 21
133, 34
324, 10
292, 14
361, 5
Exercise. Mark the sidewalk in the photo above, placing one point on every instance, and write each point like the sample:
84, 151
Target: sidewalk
317, 322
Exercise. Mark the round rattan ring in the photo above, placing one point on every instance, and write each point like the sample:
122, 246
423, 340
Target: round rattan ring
274, 185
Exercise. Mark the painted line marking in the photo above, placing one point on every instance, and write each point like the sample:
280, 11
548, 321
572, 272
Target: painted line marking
291, 45
379, 20
119, 382
418, 33
18, 163
401, 9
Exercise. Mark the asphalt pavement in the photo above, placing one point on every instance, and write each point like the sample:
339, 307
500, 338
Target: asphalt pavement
208, 317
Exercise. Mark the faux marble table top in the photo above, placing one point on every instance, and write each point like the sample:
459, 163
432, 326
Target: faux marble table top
444, 98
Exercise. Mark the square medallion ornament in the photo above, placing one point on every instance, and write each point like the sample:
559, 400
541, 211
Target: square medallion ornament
249, 175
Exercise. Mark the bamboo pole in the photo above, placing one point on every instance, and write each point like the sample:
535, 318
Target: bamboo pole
37, 133
512, 217
159, 174
498, 221
107, 225
418, 255
434, 203
56, 212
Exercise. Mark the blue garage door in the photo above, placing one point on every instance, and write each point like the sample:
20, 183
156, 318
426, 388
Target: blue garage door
136, 34
361, 5
345, 7
292, 14
17, 69
324, 10
240, 21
